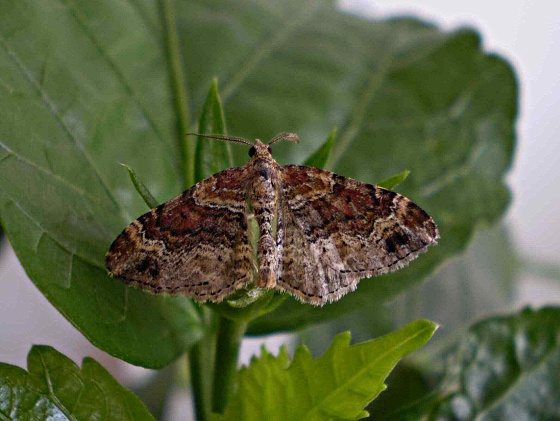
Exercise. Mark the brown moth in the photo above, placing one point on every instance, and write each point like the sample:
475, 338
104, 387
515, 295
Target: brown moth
316, 233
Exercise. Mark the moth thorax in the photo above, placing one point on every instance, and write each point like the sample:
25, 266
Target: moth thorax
263, 170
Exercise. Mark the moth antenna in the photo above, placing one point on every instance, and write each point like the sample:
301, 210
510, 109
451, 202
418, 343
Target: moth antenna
223, 137
291, 137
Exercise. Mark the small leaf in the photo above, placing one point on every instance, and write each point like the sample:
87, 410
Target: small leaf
212, 156
504, 368
141, 188
56, 388
320, 158
213, 106
391, 182
338, 385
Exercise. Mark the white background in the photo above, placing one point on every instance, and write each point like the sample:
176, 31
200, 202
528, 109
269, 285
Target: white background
524, 32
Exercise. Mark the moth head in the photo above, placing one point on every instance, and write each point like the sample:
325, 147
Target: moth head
259, 148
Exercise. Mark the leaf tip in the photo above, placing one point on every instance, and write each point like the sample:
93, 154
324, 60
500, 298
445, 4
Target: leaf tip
340, 341
393, 181
302, 353
362, 415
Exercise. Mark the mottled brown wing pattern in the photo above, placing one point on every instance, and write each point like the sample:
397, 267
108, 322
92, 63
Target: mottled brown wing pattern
338, 230
195, 244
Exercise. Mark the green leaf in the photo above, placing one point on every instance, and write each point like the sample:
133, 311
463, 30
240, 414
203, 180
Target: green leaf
86, 85
56, 388
391, 182
503, 368
407, 384
320, 158
336, 386
422, 112
77, 99
212, 155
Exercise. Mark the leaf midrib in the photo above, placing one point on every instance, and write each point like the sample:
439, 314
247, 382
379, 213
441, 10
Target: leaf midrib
267, 47
50, 106
344, 386
81, 20
52, 395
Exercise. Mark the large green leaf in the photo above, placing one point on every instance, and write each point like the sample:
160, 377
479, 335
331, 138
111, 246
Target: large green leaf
431, 103
503, 368
87, 85
336, 386
54, 388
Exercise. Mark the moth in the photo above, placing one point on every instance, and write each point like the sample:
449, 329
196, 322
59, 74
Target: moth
301, 230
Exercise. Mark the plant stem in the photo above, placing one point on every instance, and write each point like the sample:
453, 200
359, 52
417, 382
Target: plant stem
187, 147
201, 359
230, 335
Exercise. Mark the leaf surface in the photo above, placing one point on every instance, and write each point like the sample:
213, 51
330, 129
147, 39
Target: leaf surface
503, 368
336, 386
87, 85
56, 388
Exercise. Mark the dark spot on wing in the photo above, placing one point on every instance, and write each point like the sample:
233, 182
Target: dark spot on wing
390, 245
400, 238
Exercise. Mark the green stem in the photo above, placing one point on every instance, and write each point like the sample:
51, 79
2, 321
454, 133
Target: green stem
201, 360
230, 335
187, 147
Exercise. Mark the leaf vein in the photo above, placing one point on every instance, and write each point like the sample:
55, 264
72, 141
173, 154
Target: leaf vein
267, 47
358, 114
48, 172
321, 405
81, 19
52, 395
45, 232
517, 382
56, 115
458, 171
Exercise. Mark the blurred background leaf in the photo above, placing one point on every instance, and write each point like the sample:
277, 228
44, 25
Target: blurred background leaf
86, 85
502, 368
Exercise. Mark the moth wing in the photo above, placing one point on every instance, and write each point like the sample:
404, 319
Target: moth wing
337, 230
196, 244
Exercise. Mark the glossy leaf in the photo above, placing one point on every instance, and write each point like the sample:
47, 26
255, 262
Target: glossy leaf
56, 388
336, 386
503, 368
